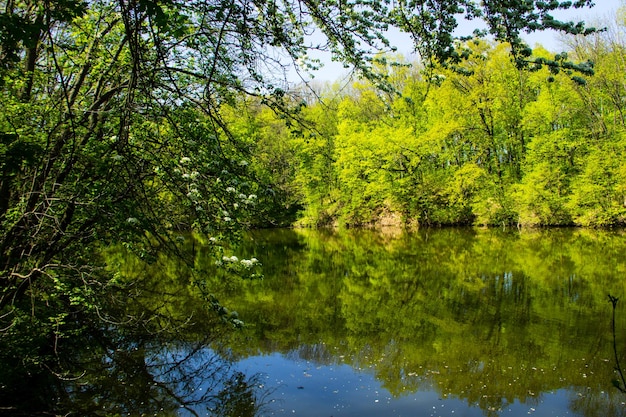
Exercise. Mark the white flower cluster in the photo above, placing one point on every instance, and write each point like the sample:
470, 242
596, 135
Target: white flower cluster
193, 193
247, 199
246, 263
191, 176
249, 263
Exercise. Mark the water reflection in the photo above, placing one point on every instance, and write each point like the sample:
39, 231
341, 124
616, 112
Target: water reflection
151, 346
437, 322
149, 377
491, 318
164, 379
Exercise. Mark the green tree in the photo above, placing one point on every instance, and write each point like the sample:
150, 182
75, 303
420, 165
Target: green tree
598, 191
555, 122
314, 147
113, 127
477, 111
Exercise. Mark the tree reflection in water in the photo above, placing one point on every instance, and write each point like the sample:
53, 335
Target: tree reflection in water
150, 346
168, 379
500, 320
489, 321
144, 376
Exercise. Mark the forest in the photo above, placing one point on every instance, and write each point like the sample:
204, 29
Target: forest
480, 143
147, 124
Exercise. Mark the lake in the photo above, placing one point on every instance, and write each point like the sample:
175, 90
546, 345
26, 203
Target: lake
441, 322
435, 322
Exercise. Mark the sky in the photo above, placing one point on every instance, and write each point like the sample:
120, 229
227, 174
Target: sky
603, 11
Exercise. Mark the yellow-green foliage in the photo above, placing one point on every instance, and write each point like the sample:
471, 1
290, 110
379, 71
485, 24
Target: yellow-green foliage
480, 142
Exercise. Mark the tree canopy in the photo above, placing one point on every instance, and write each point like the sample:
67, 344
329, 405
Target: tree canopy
480, 143
121, 123
112, 122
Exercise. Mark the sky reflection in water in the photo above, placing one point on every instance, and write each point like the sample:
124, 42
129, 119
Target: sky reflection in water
442, 323
312, 390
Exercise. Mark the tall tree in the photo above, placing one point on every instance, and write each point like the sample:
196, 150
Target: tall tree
112, 125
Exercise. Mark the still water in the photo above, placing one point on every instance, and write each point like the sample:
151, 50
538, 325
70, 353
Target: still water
444, 322
439, 322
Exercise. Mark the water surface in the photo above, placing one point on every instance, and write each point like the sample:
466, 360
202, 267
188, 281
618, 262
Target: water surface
438, 322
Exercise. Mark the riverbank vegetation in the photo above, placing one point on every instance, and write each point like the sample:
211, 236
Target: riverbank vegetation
138, 123
479, 143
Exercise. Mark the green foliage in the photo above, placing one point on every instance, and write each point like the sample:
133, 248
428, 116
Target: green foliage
442, 308
138, 122
540, 197
129, 113
598, 192
477, 142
